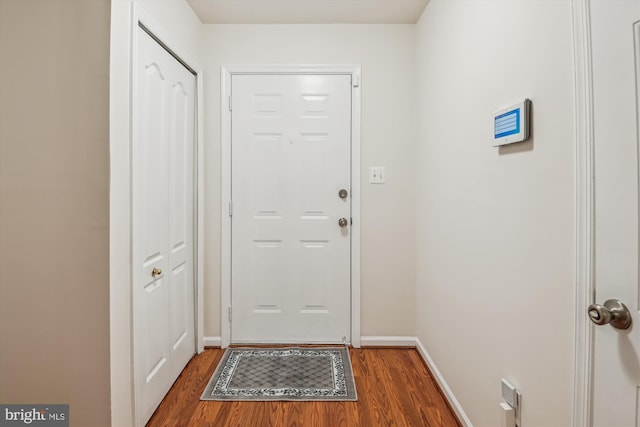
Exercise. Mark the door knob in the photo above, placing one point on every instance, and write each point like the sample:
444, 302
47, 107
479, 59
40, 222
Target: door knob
343, 194
612, 312
156, 272
342, 222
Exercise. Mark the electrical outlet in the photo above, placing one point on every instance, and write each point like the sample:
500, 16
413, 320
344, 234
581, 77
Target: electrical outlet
509, 393
513, 399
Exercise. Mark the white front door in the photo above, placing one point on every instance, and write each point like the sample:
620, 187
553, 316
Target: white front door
163, 243
616, 58
291, 208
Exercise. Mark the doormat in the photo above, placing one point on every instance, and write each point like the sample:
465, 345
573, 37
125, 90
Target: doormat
320, 373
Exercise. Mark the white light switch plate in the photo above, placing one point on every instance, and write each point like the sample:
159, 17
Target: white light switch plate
376, 175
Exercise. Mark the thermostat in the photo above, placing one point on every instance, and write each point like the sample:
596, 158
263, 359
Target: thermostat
512, 124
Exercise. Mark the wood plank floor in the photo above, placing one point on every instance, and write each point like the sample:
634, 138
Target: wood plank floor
394, 388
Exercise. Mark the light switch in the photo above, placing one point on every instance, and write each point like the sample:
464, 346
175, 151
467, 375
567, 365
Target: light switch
376, 175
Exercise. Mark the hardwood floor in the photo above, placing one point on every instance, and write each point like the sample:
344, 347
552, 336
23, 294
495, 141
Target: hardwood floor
394, 388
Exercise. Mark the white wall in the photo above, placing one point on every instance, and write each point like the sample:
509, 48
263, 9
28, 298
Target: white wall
386, 53
495, 229
176, 24
54, 206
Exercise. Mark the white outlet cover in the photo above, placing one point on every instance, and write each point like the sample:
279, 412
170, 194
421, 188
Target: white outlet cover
509, 393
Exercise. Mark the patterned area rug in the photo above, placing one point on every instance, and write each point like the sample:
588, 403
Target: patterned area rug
283, 374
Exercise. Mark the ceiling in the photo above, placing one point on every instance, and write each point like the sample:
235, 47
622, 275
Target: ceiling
308, 11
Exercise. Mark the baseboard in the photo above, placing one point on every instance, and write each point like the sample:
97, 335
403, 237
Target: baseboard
448, 393
212, 341
382, 341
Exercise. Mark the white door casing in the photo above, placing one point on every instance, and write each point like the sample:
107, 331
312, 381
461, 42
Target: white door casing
607, 118
164, 102
291, 146
301, 153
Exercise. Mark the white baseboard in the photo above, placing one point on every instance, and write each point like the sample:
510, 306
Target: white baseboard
212, 341
381, 341
448, 393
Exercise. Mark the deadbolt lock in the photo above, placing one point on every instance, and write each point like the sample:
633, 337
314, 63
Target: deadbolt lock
343, 194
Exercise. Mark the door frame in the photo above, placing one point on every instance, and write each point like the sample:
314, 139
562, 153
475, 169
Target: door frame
125, 18
585, 212
227, 72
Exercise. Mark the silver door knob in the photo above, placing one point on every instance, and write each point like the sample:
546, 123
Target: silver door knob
612, 312
342, 222
343, 194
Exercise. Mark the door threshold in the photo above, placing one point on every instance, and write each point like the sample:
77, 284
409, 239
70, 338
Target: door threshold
281, 345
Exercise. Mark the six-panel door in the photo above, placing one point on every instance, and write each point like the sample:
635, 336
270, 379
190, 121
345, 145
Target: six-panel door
291, 156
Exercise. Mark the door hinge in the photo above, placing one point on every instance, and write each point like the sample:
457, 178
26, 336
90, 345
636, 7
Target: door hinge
230, 104
230, 208
229, 314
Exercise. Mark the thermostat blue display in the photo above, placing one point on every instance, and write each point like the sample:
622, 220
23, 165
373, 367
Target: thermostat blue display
507, 124
511, 124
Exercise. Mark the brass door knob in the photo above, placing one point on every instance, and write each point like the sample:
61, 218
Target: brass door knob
156, 272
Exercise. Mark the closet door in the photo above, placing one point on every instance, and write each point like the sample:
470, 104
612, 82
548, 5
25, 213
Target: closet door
163, 212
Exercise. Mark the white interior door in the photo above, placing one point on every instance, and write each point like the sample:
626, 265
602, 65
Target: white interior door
163, 218
616, 58
291, 157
